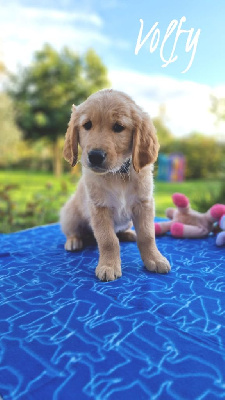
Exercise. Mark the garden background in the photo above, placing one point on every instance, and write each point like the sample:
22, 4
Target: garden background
41, 79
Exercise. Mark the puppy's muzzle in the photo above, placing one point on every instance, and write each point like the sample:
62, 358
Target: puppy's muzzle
96, 157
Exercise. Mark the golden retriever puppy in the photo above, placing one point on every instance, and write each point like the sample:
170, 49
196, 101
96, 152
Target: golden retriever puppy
119, 146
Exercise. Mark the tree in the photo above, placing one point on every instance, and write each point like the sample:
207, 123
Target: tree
10, 135
218, 107
2, 67
45, 91
163, 133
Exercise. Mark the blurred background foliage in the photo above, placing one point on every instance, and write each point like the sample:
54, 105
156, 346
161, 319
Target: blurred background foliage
44, 92
10, 134
35, 106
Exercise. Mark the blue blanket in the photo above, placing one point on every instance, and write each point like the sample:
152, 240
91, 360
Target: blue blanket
65, 335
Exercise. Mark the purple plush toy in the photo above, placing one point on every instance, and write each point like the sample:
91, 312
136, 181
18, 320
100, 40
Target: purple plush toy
220, 240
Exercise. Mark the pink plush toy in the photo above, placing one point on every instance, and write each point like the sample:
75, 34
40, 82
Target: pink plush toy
188, 223
220, 240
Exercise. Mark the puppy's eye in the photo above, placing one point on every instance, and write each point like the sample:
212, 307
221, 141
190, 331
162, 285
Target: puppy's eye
87, 125
118, 128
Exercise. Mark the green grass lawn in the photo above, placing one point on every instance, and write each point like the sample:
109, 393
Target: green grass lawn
30, 183
37, 197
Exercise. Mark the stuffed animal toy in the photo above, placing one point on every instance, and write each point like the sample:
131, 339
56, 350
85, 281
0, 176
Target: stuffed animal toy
220, 240
187, 223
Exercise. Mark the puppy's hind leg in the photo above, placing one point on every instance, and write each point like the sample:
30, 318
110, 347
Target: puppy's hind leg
127, 236
73, 243
72, 225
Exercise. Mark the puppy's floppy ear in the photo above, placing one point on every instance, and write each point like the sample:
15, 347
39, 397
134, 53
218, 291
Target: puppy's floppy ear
70, 151
145, 142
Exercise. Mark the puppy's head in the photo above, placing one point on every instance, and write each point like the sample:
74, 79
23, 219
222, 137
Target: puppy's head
110, 129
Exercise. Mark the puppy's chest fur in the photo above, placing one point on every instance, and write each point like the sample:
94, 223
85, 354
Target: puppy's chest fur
120, 200
116, 194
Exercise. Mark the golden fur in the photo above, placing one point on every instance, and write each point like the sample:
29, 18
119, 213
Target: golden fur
108, 200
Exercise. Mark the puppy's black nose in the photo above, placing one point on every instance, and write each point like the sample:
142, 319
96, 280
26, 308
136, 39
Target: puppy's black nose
96, 157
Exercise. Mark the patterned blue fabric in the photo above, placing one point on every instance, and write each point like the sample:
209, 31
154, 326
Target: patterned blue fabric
65, 335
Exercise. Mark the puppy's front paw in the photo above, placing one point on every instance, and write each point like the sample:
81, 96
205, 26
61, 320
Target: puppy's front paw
73, 243
158, 263
108, 273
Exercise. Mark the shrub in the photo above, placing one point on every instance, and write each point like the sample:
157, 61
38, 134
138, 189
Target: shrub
209, 198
